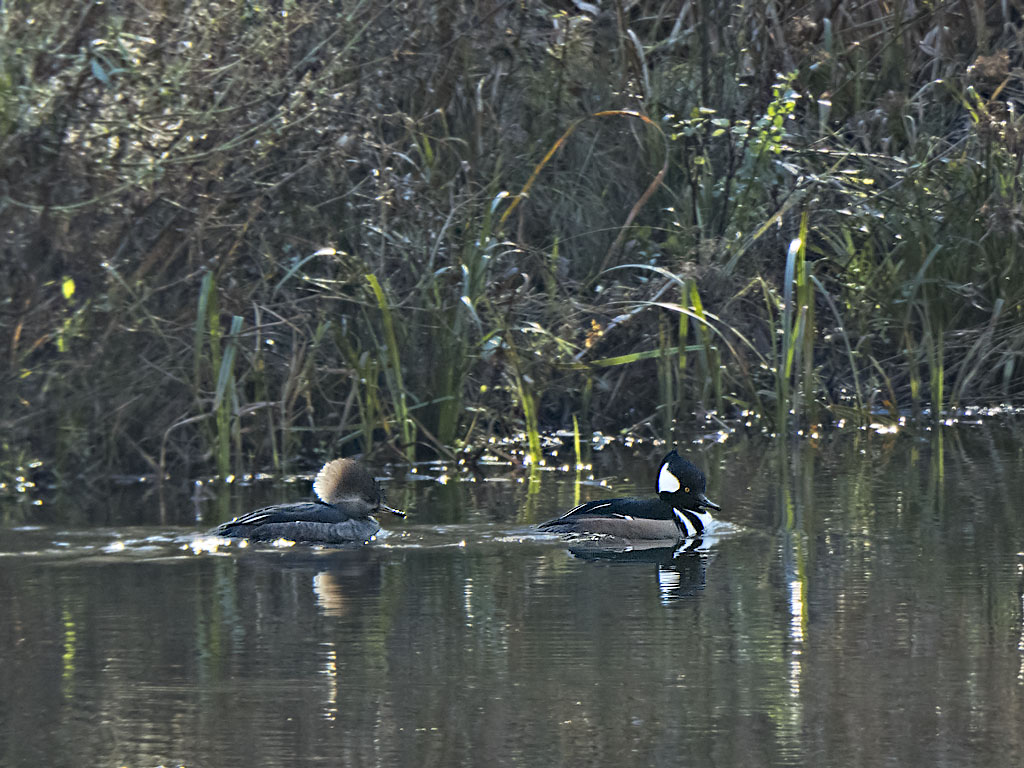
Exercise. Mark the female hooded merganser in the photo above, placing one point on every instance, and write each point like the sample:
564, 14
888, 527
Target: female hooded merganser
678, 512
348, 495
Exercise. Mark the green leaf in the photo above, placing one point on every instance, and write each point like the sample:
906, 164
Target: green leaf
99, 73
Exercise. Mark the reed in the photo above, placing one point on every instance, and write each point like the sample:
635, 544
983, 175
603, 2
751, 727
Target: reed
797, 350
462, 332
578, 455
225, 402
710, 359
214, 371
393, 373
528, 402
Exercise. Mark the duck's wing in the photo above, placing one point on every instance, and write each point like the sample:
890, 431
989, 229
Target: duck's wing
302, 512
589, 509
619, 509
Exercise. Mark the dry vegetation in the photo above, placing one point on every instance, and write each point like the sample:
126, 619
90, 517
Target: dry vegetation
240, 233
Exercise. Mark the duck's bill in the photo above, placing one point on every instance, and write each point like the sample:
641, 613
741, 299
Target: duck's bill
392, 510
706, 502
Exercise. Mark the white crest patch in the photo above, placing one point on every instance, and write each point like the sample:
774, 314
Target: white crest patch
667, 482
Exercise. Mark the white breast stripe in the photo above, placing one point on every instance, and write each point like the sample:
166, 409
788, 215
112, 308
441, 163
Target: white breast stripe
684, 521
667, 482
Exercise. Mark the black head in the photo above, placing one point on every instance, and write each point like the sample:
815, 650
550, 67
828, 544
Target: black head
682, 485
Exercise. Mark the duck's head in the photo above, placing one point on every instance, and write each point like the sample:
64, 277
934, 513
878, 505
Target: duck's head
344, 482
682, 485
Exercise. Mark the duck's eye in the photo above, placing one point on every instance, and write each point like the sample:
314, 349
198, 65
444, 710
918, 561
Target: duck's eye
686, 489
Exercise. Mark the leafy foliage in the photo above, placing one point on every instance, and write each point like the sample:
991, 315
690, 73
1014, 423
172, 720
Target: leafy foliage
237, 232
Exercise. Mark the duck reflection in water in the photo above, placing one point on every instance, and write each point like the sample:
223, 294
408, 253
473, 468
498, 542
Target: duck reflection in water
301, 582
682, 566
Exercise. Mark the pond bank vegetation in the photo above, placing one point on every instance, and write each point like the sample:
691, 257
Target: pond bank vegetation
241, 236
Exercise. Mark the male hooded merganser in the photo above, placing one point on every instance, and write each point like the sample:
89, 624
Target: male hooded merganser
349, 495
678, 512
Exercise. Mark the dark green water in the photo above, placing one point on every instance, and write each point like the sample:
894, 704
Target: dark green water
868, 613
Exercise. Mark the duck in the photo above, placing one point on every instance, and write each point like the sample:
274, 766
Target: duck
679, 512
347, 498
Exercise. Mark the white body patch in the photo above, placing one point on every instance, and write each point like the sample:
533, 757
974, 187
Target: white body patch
688, 526
706, 520
684, 521
667, 482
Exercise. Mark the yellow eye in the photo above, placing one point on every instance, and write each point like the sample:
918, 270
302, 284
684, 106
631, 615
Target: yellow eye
686, 489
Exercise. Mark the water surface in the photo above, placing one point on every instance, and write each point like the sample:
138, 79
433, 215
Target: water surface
867, 611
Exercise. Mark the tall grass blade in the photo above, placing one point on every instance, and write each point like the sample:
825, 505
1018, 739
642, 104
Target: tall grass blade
206, 300
578, 453
841, 330
397, 386
532, 424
